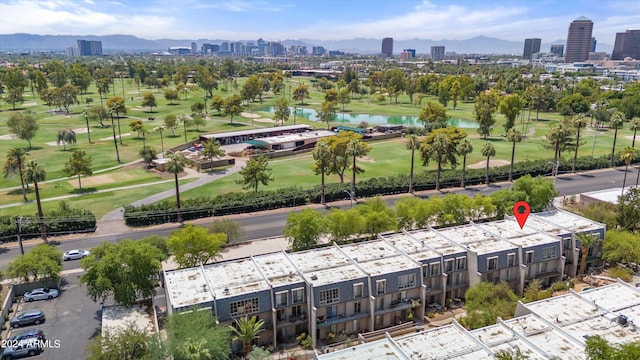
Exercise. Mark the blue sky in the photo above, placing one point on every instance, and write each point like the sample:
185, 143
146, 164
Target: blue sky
317, 19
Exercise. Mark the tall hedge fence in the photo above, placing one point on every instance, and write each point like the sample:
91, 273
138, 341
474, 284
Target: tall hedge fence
62, 221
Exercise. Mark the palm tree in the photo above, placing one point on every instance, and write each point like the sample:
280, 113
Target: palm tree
160, 129
66, 136
322, 155
356, 148
513, 136
488, 150
246, 330
34, 172
175, 165
634, 125
195, 349
616, 122
579, 122
412, 144
435, 148
86, 118
464, 148
212, 150
628, 154
14, 163
586, 240
115, 141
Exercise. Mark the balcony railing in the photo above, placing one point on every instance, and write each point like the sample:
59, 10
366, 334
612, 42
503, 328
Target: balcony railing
339, 319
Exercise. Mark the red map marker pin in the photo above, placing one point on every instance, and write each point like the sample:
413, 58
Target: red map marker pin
521, 211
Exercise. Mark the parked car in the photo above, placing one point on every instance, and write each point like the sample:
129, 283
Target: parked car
75, 254
40, 294
27, 318
24, 348
27, 334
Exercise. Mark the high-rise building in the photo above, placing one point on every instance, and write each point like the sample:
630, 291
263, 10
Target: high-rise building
387, 47
437, 53
90, 47
318, 50
557, 50
579, 41
73, 51
531, 46
627, 45
593, 44
194, 48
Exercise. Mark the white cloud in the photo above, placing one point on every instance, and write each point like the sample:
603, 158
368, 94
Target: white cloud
238, 6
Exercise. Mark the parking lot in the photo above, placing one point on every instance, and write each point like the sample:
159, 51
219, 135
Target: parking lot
72, 319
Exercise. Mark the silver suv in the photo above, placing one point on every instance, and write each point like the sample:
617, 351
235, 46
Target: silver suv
24, 348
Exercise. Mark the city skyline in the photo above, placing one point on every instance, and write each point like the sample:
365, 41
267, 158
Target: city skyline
332, 19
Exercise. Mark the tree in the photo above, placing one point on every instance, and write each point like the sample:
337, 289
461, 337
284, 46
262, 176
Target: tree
616, 122
464, 148
341, 225
322, 155
34, 173
24, 125
43, 262
233, 106
68, 95
356, 148
344, 97
194, 246
433, 116
628, 210
196, 325
212, 151
171, 122
484, 107
149, 100
328, 112
137, 126
413, 143
128, 342
78, 164
579, 122
255, 172
534, 292
252, 88
488, 150
485, 302
573, 104
175, 165
217, 103
621, 247
66, 136
231, 229
510, 106
634, 125
538, 192
14, 164
558, 139
513, 136
586, 241
127, 271
246, 330
441, 146
300, 93
148, 154
116, 104
378, 217
282, 112
628, 154
303, 229
171, 95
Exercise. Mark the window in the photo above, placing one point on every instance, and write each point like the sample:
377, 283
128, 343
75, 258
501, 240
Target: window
281, 314
357, 307
511, 260
435, 269
296, 310
549, 253
358, 290
509, 274
406, 281
330, 296
281, 298
244, 307
381, 286
567, 243
448, 265
461, 263
459, 279
492, 263
297, 295
529, 257
380, 303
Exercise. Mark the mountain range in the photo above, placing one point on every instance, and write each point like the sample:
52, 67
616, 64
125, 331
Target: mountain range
130, 43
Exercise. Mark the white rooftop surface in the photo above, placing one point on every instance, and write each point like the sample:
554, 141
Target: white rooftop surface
326, 266
476, 239
539, 224
277, 269
498, 337
606, 327
435, 241
234, 278
378, 257
546, 337
569, 221
446, 342
416, 250
375, 350
564, 309
507, 228
187, 287
116, 318
613, 297
272, 140
608, 195
256, 131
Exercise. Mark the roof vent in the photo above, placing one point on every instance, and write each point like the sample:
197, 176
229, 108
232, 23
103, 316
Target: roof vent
226, 291
314, 277
622, 320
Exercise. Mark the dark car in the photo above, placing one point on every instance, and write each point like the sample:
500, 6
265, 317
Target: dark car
27, 318
28, 334
25, 348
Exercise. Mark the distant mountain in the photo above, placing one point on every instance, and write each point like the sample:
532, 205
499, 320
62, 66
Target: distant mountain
113, 43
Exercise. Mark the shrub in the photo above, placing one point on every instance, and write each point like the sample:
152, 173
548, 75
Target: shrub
622, 273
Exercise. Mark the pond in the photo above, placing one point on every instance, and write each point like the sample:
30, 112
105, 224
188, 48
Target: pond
311, 114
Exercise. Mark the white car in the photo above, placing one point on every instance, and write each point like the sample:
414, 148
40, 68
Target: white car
75, 254
40, 294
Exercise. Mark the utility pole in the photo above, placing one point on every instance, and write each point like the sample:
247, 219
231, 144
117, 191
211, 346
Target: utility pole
20, 222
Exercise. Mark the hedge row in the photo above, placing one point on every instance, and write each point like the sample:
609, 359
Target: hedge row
235, 203
61, 221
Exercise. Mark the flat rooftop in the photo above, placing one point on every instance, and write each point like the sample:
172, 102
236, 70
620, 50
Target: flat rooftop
564, 309
525, 237
446, 342
326, 266
233, 278
256, 131
613, 297
476, 239
378, 257
277, 269
437, 242
376, 350
500, 337
288, 138
568, 220
608, 195
544, 336
187, 287
116, 318
417, 250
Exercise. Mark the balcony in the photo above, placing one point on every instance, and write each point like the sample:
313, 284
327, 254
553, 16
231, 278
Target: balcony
292, 320
398, 305
339, 319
